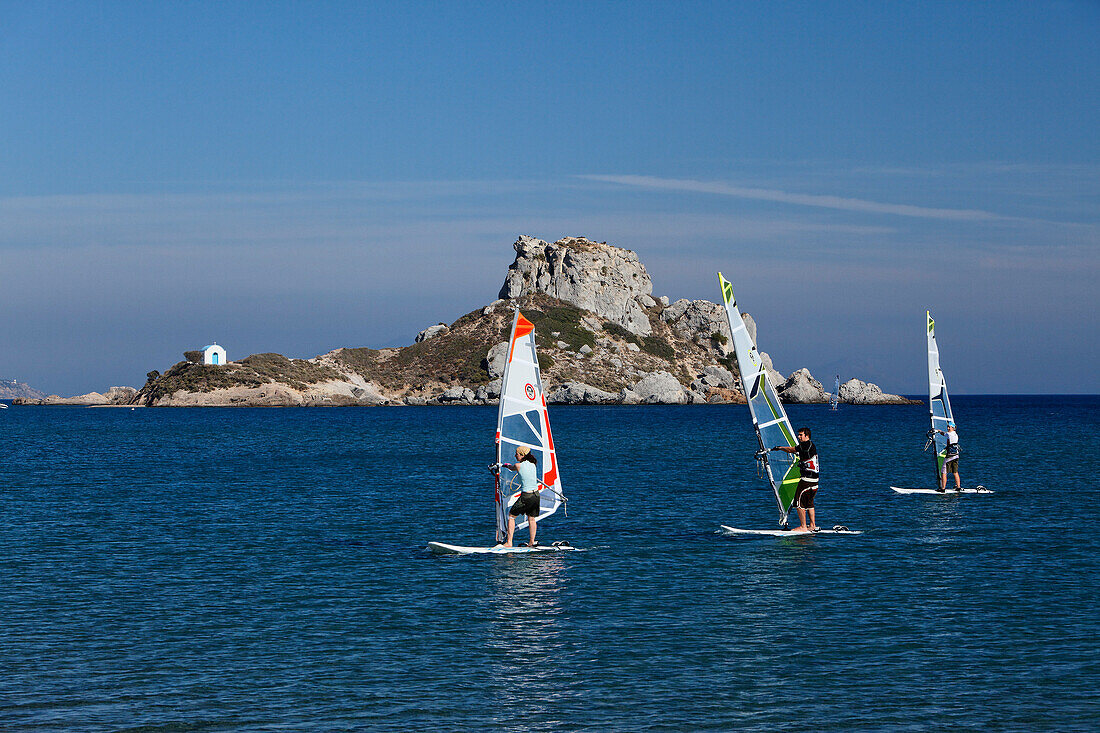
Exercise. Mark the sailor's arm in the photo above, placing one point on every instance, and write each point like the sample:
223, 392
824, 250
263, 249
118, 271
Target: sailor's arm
785, 449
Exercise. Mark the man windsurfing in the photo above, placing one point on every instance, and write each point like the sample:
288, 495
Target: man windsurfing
807, 484
951, 458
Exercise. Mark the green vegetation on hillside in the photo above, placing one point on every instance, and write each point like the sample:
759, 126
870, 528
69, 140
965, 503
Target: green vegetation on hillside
563, 320
447, 358
653, 344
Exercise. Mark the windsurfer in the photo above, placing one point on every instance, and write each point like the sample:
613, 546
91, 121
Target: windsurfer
807, 484
951, 457
528, 502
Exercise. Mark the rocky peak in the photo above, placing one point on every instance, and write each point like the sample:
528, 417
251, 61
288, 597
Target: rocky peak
609, 281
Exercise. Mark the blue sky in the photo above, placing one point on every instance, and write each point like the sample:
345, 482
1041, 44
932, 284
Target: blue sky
295, 177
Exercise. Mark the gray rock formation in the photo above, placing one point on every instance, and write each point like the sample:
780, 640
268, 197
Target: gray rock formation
120, 395
658, 388
578, 393
696, 397
497, 359
699, 320
595, 276
802, 388
716, 376
463, 395
856, 392
430, 331
490, 391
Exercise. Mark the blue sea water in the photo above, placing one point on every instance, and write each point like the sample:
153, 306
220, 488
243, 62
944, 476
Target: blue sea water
263, 570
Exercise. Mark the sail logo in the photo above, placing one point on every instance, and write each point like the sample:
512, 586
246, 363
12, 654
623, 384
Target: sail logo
530, 391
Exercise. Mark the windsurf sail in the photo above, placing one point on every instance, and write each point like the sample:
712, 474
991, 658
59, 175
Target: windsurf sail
939, 406
768, 416
522, 419
835, 400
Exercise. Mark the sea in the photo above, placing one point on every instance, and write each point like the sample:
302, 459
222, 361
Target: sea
265, 570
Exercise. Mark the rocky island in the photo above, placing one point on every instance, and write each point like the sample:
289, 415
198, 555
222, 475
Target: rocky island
603, 339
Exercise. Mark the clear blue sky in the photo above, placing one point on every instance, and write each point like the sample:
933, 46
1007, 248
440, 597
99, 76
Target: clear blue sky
296, 177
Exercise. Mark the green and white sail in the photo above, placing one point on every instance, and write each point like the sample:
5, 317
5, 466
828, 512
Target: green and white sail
768, 416
939, 406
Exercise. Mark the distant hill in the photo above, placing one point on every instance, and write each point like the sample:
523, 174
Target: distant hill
10, 389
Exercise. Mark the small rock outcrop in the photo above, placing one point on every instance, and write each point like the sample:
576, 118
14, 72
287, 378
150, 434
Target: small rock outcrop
463, 395
803, 389
430, 331
594, 276
658, 388
716, 376
856, 392
496, 360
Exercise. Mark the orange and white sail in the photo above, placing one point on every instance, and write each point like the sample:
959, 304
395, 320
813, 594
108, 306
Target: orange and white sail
522, 419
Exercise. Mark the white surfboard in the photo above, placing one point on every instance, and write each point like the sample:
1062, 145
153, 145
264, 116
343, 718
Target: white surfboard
787, 532
975, 490
444, 549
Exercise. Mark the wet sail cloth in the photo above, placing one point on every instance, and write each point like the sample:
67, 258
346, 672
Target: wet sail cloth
522, 419
939, 406
768, 416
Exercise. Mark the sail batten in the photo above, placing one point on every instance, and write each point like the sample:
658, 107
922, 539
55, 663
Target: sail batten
770, 421
522, 419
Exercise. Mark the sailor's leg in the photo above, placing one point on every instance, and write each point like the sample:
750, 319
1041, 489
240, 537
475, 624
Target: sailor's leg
511, 530
802, 519
813, 522
943, 478
531, 522
958, 481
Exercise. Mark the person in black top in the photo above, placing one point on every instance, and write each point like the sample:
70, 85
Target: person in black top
807, 484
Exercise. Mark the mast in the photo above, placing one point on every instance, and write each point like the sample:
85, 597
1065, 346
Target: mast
939, 404
501, 509
773, 428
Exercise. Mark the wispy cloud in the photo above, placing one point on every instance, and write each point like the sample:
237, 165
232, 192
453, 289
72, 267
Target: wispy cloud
800, 199
356, 215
